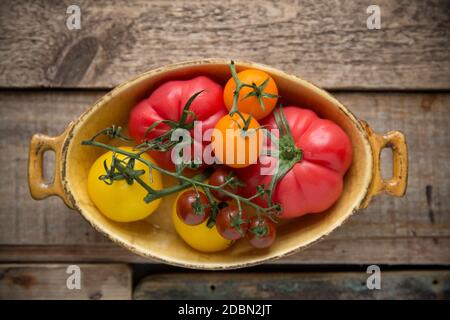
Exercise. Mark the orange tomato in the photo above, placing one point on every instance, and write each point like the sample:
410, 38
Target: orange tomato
251, 105
234, 146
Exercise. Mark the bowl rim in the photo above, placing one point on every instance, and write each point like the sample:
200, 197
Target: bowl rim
74, 126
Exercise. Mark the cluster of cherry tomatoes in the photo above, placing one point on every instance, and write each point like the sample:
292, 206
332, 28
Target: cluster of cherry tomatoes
193, 208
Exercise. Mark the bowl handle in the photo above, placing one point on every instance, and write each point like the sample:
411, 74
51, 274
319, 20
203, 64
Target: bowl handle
396, 186
39, 189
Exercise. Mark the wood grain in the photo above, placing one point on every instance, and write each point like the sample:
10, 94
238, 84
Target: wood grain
326, 42
22, 221
389, 251
49, 281
326, 285
415, 229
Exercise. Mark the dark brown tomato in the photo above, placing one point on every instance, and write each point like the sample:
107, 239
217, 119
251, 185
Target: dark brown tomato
219, 177
231, 224
261, 232
193, 208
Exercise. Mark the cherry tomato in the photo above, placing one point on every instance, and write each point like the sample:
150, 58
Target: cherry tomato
193, 207
199, 237
218, 178
261, 232
120, 201
231, 224
251, 104
234, 146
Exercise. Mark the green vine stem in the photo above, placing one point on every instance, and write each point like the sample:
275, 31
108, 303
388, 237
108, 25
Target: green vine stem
185, 182
257, 91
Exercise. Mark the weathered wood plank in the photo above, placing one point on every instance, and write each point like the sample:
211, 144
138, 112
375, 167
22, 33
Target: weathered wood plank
415, 229
21, 219
424, 119
326, 42
390, 251
326, 285
49, 281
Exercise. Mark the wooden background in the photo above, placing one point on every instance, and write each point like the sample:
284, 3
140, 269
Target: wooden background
397, 77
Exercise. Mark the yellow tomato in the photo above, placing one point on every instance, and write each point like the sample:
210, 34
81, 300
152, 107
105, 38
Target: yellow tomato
120, 201
199, 237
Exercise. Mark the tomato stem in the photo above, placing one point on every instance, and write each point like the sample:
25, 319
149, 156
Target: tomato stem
258, 91
288, 153
185, 182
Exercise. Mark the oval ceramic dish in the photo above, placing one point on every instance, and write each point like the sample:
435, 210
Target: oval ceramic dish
155, 236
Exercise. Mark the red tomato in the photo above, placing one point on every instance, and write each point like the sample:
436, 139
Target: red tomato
193, 208
315, 182
168, 101
219, 178
261, 232
231, 224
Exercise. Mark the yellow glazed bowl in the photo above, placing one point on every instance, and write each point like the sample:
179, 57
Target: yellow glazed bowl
155, 237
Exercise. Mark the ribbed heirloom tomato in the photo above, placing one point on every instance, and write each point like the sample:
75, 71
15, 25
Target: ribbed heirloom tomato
167, 103
315, 182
